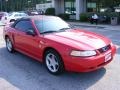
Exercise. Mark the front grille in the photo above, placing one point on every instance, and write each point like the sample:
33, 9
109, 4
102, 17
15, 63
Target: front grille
104, 49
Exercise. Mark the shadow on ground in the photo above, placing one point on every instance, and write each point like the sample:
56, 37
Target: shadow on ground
28, 74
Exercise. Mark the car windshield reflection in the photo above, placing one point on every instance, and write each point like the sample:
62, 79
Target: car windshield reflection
52, 25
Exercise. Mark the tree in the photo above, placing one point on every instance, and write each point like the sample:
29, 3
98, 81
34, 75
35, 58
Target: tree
18, 5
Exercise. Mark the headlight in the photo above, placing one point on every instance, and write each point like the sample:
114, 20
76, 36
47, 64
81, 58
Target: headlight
83, 53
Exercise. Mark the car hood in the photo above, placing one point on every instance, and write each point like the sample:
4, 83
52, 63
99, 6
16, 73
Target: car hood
80, 39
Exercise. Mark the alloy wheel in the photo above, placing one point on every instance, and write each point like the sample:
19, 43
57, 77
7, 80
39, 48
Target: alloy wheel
52, 62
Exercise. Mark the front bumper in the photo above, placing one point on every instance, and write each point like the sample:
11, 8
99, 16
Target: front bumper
79, 64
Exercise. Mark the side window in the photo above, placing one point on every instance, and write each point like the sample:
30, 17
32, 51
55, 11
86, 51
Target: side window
24, 25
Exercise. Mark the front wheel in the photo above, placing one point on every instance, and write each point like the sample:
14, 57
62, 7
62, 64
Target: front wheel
53, 62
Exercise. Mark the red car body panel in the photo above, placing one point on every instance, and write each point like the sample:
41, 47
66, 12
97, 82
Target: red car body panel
63, 43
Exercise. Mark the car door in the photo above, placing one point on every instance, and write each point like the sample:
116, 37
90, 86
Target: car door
24, 42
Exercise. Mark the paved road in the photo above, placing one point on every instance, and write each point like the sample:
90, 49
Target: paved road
19, 72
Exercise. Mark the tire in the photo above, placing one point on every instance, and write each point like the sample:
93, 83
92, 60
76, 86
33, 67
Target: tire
12, 20
53, 62
9, 45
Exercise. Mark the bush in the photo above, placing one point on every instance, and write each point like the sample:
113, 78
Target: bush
50, 11
83, 17
64, 16
119, 18
109, 15
113, 14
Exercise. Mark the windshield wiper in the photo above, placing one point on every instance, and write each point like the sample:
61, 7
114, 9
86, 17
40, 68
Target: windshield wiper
47, 32
52, 31
63, 29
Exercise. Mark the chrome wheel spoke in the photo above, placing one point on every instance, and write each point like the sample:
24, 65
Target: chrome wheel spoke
49, 64
55, 67
48, 58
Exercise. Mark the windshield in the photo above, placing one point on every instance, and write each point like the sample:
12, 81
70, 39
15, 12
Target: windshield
51, 25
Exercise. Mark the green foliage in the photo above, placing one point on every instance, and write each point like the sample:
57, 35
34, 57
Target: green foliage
64, 16
19, 5
113, 14
50, 11
83, 17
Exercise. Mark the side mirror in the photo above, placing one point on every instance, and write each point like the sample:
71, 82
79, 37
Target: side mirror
31, 32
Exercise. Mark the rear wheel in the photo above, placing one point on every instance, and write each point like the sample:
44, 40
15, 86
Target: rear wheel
53, 62
9, 45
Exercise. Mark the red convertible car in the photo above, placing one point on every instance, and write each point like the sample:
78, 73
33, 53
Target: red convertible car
59, 46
